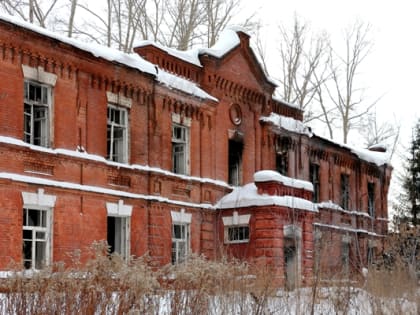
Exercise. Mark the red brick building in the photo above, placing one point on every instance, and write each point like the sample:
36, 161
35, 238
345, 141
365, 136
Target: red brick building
169, 153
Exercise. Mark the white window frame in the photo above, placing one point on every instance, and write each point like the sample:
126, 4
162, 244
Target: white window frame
122, 240
37, 114
113, 127
182, 165
235, 221
45, 204
46, 81
180, 248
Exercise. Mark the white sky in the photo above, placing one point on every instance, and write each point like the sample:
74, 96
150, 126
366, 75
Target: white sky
392, 67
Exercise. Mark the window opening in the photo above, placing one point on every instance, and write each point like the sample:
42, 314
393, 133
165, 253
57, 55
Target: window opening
179, 149
35, 238
118, 235
235, 162
238, 234
117, 134
371, 199
180, 242
282, 155
314, 178
36, 113
345, 194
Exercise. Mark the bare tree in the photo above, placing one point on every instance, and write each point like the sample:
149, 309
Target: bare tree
219, 14
346, 96
33, 11
304, 57
385, 133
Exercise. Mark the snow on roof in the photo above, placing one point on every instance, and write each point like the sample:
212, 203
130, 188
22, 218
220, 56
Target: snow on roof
269, 175
97, 158
287, 123
375, 157
293, 125
190, 56
346, 229
278, 99
227, 41
110, 54
132, 60
247, 196
178, 83
333, 206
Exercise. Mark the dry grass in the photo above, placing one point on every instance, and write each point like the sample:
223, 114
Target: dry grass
109, 285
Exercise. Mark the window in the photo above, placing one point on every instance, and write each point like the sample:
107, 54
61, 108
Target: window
118, 228
236, 228
283, 145
36, 229
117, 143
35, 250
118, 235
345, 256
238, 234
371, 199
345, 194
37, 101
180, 242
314, 178
179, 149
235, 162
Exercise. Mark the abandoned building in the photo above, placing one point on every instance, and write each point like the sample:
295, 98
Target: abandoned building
170, 153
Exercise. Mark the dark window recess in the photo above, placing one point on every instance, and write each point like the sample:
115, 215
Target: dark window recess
345, 194
314, 178
282, 155
371, 199
235, 162
111, 234
281, 163
238, 233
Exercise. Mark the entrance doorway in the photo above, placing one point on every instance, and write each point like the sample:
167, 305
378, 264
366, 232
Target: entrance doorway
290, 263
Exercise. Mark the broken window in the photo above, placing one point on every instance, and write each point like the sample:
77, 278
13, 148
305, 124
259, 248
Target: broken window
237, 234
282, 155
179, 149
118, 235
180, 242
37, 101
345, 194
235, 162
314, 179
371, 199
117, 142
35, 238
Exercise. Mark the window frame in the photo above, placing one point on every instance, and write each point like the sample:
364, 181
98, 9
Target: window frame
30, 109
371, 198
228, 234
180, 162
314, 169
345, 191
235, 161
177, 257
34, 239
121, 241
111, 126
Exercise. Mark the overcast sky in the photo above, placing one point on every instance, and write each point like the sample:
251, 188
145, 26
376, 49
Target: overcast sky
392, 67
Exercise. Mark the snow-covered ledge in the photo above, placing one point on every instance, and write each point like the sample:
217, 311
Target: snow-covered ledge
274, 184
